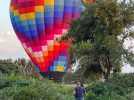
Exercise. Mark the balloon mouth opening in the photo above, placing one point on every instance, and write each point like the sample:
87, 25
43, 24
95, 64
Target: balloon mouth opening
53, 75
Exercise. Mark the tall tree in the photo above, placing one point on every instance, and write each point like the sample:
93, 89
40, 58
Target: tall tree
100, 34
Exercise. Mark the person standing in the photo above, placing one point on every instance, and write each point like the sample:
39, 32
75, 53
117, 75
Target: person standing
79, 91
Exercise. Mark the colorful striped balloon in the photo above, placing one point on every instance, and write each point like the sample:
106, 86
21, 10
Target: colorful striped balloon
38, 24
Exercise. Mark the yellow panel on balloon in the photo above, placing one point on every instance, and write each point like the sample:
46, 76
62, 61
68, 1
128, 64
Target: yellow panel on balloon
16, 13
50, 45
60, 68
28, 16
49, 2
39, 8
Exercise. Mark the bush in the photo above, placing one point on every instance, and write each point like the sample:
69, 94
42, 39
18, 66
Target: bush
119, 87
8, 68
25, 88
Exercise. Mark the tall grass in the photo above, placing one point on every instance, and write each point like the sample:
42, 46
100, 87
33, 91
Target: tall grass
27, 88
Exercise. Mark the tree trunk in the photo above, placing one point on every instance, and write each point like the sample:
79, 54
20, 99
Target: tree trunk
106, 66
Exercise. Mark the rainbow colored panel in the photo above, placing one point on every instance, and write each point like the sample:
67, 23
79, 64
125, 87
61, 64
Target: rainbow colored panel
38, 24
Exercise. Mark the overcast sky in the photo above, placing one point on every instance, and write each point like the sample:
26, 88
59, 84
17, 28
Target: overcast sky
10, 46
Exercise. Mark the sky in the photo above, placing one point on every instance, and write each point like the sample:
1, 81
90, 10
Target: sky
10, 46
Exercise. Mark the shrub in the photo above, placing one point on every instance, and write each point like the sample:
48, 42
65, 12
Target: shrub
25, 88
119, 87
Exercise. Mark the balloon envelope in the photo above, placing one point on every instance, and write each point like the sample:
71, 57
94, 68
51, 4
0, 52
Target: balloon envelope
38, 23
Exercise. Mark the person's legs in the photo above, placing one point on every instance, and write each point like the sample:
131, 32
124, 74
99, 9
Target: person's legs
82, 98
76, 98
79, 98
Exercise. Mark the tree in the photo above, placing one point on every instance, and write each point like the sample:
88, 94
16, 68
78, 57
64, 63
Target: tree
25, 67
100, 34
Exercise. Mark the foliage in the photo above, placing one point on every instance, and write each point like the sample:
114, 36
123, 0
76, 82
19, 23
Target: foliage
28, 88
23, 66
8, 68
17, 87
119, 87
99, 36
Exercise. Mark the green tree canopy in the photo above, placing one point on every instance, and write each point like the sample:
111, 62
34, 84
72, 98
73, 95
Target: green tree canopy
99, 36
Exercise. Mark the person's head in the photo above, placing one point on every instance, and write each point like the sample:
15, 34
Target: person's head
78, 84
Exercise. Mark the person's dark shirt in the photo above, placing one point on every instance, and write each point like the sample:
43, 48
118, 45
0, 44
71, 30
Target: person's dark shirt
79, 91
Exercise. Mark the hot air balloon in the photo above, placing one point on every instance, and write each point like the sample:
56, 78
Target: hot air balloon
38, 24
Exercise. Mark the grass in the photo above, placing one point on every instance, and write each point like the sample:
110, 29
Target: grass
14, 86
27, 88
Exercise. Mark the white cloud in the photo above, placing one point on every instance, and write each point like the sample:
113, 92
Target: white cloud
10, 46
2, 40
